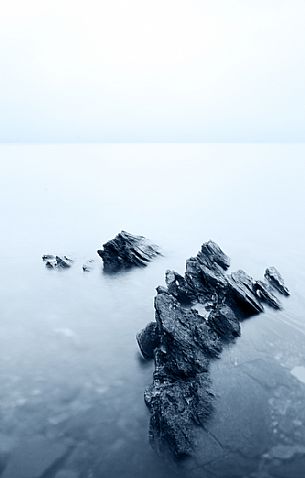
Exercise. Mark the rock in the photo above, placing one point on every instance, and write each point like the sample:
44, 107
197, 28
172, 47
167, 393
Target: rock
162, 290
68, 259
186, 339
276, 280
63, 263
89, 265
195, 315
179, 397
176, 406
241, 285
225, 322
211, 254
178, 287
205, 274
264, 292
148, 339
48, 257
126, 251
56, 262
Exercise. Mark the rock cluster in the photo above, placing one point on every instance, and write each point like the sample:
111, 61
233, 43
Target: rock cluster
126, 251
56, 262
195, 314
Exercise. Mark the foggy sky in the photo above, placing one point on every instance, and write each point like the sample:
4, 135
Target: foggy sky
162, 70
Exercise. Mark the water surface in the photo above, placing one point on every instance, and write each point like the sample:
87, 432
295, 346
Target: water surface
72, 381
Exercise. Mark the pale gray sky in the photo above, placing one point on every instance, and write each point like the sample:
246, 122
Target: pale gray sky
161, 70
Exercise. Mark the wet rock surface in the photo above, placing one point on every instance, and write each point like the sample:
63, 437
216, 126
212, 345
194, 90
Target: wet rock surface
126, 251
196, 315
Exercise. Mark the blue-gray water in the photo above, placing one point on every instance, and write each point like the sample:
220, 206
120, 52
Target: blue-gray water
71, 379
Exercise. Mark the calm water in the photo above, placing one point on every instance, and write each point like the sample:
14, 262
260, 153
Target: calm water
72, 381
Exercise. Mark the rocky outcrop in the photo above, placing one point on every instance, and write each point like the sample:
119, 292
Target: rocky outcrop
57, 262
195, 315
276, 280
126, 251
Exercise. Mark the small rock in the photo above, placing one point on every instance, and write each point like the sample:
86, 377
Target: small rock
276, 280
56, 262
264, 292
148, 339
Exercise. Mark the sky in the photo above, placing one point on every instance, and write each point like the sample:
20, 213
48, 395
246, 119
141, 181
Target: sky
152, 71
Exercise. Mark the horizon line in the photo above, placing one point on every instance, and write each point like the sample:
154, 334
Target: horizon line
41, 143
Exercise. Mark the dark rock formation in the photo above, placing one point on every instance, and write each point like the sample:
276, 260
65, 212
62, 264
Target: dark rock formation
126, 251
195, 315
225, 322
148, 339
265, 293
276, 280
243, 292
56, 262
175, 406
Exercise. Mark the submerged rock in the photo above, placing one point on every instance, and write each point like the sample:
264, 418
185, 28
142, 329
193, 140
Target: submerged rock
126, 251
36, 457
276, 280
195, 315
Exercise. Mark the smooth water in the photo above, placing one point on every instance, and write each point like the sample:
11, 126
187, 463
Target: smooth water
72, 380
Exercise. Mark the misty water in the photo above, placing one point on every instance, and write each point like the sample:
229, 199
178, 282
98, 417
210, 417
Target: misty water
71, 377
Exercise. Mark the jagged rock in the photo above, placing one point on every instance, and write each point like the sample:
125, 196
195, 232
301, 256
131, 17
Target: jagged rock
162, 290
276, 280
193, 277
48, 257
56, 262
126, 251
63, 263
225, 322
205, 274
264, 292
241, 285
178, 287
176, 406
186, 339
195, 315
148, 339
211, 253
